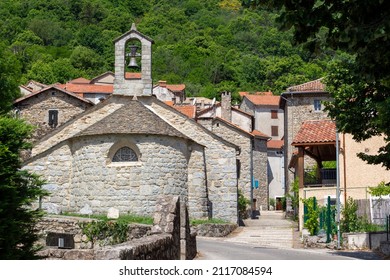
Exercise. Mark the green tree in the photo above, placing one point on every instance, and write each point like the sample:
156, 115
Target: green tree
9, 78
42, 72
18, 190
84, 58
360, 85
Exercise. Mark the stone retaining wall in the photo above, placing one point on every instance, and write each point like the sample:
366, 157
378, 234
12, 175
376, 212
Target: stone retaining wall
214, 230
168, 239
70, 225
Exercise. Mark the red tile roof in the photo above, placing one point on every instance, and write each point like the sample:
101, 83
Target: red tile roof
131, 75
170, 103
179, 87
312, 86
188, 110
173, 88
88, 88
275, 144
263, 99
316, 132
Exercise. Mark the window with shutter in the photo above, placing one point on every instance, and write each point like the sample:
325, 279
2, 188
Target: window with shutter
53, 118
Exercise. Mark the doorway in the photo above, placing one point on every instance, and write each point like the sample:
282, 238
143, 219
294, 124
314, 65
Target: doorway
278, 203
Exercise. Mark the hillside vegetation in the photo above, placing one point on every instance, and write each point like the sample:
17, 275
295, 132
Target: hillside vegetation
209, 45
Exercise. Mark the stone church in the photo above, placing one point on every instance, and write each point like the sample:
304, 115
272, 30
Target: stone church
131, 148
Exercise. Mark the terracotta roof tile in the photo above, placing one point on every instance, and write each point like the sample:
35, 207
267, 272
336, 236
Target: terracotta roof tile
316, 132
179, 87
312, 86
275, 144
170, 103
131, 75
188, 110
88, 88
264, 99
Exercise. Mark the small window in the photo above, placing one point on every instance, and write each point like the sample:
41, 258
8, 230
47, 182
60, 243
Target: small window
274, 114
317, 105
53, 118
125, 154
274, 130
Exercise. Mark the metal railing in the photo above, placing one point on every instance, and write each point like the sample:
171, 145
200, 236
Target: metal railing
327, 177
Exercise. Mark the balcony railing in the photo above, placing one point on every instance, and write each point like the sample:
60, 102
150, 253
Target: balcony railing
325, 177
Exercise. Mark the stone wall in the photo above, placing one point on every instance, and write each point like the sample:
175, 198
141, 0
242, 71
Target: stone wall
71, 225
197, 192
260, 173
169, 238
81, 176
243, 140
214, 230
35, 110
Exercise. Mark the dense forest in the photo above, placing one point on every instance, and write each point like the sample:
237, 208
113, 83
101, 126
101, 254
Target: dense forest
210, 45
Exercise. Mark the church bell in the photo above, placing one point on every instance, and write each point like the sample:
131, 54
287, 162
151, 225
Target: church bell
133, 54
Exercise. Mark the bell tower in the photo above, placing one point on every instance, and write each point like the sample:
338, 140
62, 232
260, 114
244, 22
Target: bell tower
133, 64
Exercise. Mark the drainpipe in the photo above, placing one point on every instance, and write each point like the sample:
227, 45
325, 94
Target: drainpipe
252, 179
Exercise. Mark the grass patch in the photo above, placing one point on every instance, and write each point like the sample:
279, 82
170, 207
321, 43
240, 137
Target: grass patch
123, 219
210, 221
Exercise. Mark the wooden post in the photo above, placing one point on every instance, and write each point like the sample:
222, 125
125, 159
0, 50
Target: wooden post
301, 167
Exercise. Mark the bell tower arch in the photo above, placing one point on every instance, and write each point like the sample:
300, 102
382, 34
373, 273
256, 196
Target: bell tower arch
133, 64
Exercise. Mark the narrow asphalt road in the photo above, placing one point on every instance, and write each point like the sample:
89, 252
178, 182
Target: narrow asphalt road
214, 249
270, 237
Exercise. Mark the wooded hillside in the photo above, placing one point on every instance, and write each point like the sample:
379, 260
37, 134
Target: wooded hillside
210, 45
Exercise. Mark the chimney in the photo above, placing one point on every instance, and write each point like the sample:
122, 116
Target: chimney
226, 106
162, 84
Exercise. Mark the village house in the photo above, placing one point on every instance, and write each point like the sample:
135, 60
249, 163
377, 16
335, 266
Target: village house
132, 148
49, 108
169, 92
310, 143
300, 103
31, 87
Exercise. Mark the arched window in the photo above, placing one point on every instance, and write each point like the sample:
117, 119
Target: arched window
125, 154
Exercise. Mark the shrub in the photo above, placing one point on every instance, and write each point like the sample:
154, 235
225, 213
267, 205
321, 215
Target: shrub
350, 221
312, 215
243, 203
